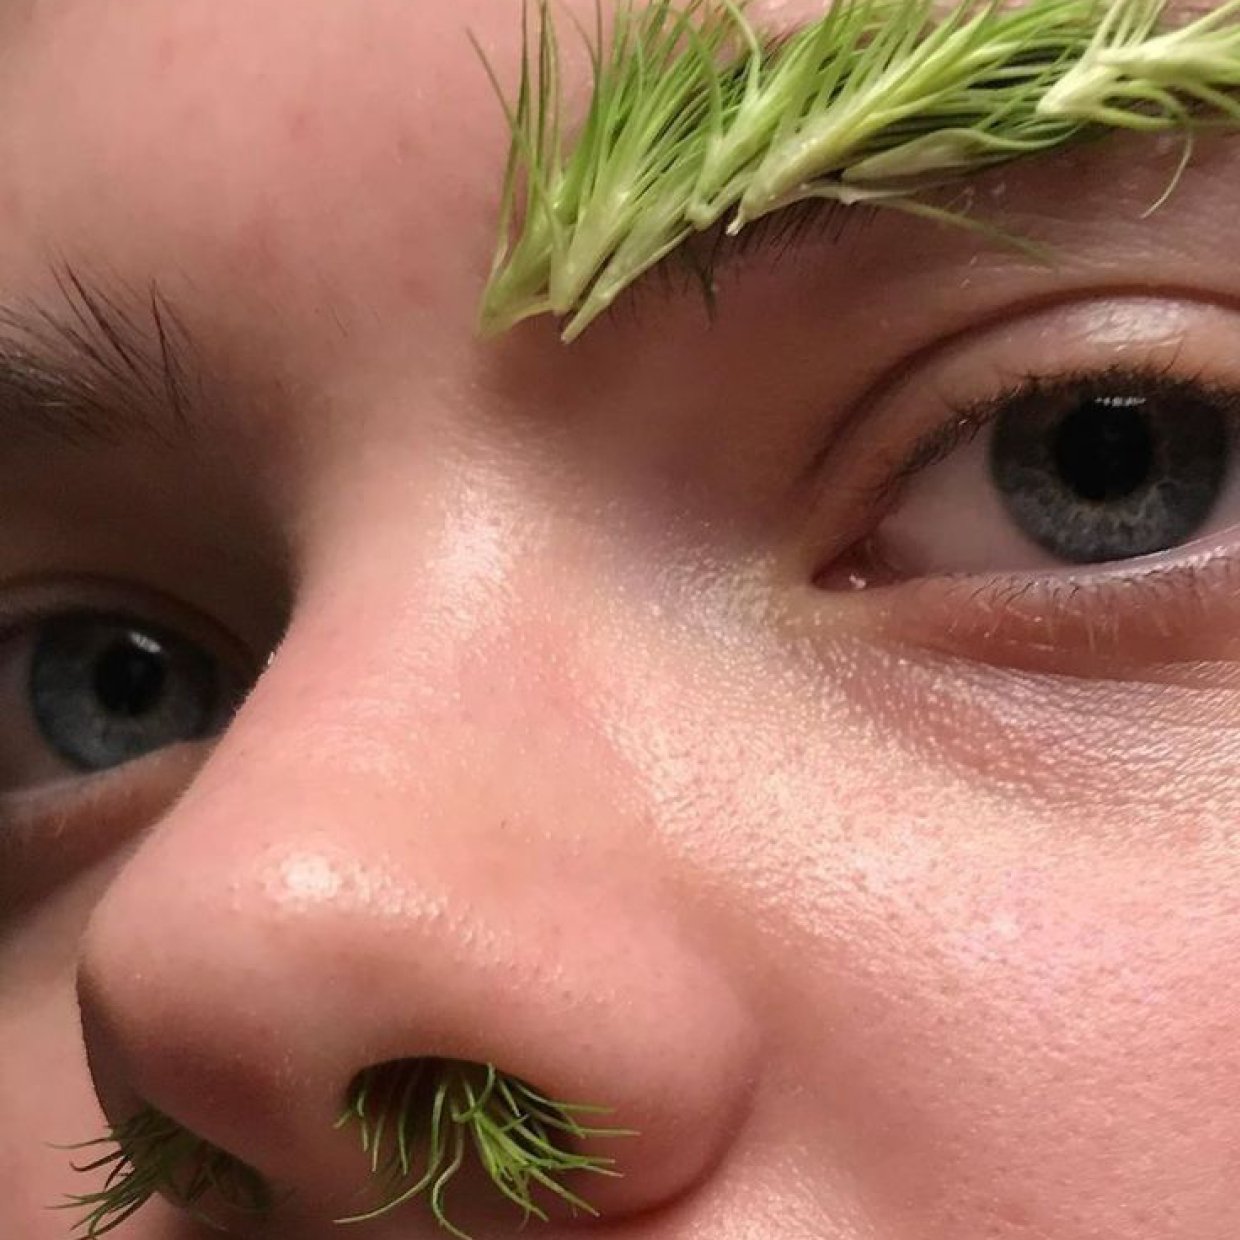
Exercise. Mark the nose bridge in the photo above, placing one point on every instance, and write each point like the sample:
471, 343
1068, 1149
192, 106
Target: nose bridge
470, 688
454, 630
412, 844
449, 790
414, 778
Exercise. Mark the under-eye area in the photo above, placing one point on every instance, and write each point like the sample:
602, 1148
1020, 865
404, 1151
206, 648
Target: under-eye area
110, 696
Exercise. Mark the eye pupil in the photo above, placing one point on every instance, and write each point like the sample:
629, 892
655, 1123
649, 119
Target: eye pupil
130, 676
1104, 449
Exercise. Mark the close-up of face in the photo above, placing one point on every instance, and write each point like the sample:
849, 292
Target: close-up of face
781, 745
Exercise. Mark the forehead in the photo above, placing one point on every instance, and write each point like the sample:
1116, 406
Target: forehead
269, 143
276, 154
355, 140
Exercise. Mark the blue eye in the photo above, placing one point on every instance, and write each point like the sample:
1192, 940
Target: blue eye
1112, 467
105, 690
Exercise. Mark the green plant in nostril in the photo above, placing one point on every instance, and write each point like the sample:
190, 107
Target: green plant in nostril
150, 1153
701, 124
422, 1120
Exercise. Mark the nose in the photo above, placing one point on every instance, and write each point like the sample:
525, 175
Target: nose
415, 860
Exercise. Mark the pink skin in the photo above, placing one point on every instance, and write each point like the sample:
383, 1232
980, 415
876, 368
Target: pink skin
874, 931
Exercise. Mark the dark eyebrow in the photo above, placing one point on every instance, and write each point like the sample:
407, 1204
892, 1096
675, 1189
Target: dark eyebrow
695, 266
96, 368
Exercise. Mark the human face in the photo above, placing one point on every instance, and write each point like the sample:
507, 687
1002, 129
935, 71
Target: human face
907, 912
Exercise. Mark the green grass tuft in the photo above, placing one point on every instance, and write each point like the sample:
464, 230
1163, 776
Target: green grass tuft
150, 1154
420, 1120
698, 121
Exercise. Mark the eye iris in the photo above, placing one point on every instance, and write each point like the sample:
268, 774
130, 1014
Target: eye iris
104, 692
1108, 473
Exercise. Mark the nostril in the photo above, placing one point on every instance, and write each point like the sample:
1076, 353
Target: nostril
150, 1154
422, 1122
251, 1016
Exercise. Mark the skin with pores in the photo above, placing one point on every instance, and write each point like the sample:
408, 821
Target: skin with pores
901, 913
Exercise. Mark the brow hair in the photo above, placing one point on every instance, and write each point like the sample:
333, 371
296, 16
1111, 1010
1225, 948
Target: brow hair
97, 365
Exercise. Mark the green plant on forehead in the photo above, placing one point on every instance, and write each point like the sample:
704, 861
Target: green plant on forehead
150, 1154
699, 122
420, 1120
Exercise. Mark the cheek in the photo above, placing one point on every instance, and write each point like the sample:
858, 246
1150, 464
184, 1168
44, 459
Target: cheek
1065, 1039
1041, 1035
44, 1084
987, 1015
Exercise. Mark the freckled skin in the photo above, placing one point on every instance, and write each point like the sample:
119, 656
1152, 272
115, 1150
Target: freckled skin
560, 765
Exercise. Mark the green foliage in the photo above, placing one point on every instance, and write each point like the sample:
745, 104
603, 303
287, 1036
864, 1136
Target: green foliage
697, 121
150, 1154
420, 1119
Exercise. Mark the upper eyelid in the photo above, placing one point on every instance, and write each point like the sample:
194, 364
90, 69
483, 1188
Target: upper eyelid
893, 377
27, 601
970, 420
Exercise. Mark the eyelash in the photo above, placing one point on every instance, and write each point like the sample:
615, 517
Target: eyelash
1174, 607
968, 419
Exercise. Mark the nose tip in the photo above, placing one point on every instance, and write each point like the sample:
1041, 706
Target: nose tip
334, 1021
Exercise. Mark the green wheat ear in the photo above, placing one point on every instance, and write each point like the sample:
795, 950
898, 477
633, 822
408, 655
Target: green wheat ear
420, 1120
696, 121
150, 1154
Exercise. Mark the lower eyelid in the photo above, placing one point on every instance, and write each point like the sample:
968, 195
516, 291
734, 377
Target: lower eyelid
1179, 608
54, 832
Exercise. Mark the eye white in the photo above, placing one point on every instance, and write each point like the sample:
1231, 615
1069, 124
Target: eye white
953, 518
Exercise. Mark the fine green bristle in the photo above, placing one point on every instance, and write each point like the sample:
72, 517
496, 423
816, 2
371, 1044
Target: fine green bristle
421, 1120
149, 1154
697, 120
420, 1123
